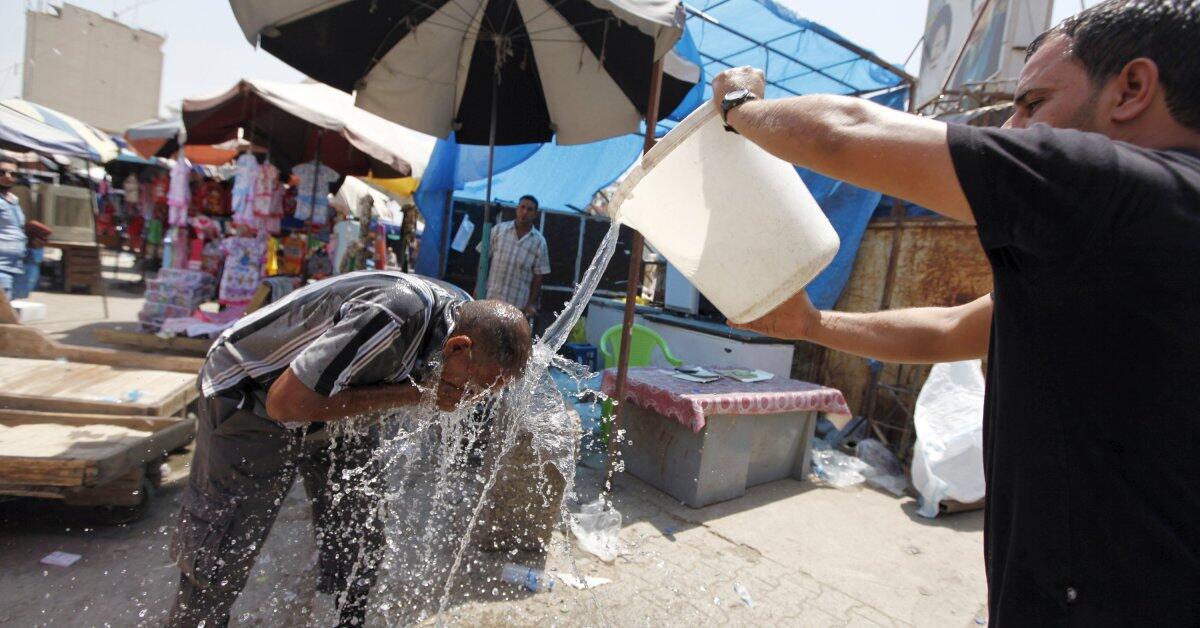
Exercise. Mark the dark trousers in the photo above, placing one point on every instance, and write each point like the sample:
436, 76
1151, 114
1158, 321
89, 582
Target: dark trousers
242, 469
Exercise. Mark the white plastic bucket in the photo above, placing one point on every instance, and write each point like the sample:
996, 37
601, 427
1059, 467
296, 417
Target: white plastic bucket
735, 220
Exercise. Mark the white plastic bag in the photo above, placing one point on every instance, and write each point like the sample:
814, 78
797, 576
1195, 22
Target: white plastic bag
948, 454
597, 526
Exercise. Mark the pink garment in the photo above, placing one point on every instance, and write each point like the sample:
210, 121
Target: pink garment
265, 185
690, 403
179, 194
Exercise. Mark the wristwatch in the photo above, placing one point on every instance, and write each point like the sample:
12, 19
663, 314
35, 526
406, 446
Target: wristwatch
732, 100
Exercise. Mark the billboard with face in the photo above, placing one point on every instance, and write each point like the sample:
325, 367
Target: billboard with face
991, 51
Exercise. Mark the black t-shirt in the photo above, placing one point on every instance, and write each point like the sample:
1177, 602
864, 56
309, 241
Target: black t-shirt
1092, 418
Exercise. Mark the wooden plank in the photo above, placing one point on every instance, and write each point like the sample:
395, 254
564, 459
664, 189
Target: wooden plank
144, 340
44, 385
41, 403
43, 471
124, 490
27, 417
146, 450
28, 342
43, 492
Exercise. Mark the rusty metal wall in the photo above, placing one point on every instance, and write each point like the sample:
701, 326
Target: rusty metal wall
938, 262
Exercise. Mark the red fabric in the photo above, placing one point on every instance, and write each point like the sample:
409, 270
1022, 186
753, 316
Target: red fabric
690, 403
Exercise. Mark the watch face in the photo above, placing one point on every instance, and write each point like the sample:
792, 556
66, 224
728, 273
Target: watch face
736, 94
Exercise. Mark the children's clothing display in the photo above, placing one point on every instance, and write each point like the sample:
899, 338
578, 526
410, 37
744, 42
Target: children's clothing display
246, 174
243, 265
179, 194
310, 206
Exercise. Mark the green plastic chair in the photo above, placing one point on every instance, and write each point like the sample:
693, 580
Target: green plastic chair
644, 340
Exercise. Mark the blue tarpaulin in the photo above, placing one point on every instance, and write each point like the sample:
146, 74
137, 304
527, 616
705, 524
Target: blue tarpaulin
798, 57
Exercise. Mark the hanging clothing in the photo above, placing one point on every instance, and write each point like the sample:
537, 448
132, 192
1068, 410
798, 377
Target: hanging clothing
310, 206
245, 177
265, 184
345, 233
131, 188
179, 194
243, 262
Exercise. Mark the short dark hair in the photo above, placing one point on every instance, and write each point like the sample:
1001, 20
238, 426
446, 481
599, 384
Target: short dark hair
1106, 37
499, 329
5, 159
530, 197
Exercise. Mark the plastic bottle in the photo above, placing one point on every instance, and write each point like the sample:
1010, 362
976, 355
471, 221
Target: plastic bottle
533, 579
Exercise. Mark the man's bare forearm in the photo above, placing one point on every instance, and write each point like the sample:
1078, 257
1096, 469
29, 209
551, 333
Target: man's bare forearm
909, 336
290, 400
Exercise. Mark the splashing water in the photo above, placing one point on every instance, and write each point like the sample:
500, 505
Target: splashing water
441, 486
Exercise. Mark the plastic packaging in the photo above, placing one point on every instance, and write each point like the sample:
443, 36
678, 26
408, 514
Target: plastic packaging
948, 454
885, 470
598, 528
838, 469
723, 211
743, 593
533, 579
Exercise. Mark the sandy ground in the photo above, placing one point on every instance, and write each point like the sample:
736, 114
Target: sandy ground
805, 555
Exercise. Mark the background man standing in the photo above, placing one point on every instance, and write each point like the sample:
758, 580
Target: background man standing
12, 228
519, 260
1088, 208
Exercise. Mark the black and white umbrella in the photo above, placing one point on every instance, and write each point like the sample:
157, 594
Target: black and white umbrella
575, 70
492, 71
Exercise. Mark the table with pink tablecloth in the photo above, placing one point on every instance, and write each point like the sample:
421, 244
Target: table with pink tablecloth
707, 443
656, 389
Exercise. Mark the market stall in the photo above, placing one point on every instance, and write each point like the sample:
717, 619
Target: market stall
285, 209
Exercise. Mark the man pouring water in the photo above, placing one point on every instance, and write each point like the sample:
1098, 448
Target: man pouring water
363, 343
1088, 208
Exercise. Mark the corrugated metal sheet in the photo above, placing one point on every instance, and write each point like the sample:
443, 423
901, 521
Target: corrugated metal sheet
939, 262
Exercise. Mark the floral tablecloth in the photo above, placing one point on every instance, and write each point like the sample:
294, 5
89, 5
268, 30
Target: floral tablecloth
654, 388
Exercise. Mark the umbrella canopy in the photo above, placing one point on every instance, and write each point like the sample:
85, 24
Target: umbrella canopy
152, 137
98, 141
20, 132
297, 120
574, 70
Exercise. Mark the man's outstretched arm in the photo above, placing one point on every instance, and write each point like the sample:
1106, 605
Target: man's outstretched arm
851, 139
291, 400
912, 336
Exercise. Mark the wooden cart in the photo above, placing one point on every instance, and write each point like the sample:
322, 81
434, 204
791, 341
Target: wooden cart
88, 426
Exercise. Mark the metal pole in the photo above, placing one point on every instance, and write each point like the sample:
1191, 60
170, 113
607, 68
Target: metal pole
631, 289
486, 227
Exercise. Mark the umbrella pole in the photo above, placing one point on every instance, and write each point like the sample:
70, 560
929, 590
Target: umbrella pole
486, 233
631, 291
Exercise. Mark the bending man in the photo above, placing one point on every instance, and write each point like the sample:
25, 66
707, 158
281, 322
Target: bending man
351, 345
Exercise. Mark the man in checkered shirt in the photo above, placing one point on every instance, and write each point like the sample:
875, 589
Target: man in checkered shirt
519, 260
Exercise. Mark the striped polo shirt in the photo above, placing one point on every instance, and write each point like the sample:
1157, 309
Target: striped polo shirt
356, 329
